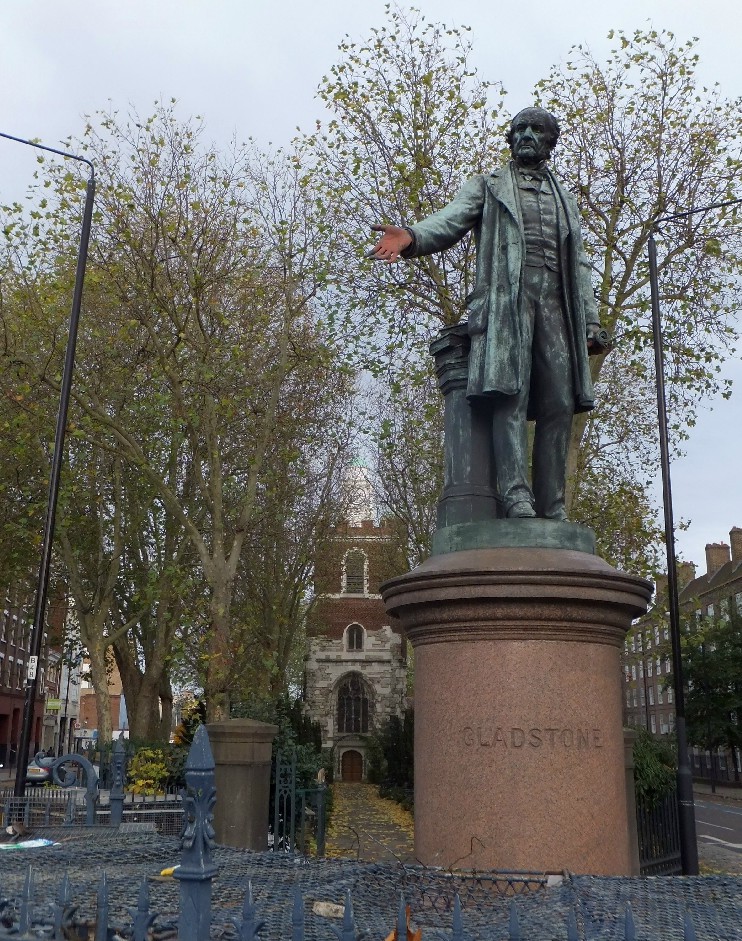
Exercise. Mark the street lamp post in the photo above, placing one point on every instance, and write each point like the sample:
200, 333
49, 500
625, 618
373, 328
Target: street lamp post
64, 733
686, 810
42, 586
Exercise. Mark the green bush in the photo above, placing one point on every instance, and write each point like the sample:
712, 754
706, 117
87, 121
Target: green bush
148, 771
153, 768
655, 767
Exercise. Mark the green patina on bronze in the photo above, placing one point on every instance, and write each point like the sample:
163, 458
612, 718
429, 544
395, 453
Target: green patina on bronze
514, 534
523, 352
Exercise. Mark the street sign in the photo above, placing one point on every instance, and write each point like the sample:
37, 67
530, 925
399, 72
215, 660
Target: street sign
33, 665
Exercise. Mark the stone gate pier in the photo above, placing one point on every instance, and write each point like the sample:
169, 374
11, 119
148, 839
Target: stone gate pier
519, 751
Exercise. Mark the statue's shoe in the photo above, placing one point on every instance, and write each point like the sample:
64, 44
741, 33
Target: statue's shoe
521, 510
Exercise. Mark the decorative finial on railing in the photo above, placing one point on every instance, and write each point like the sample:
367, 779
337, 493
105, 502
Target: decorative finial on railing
514, 923
118, 767
457, 929
197, 868
142, 918
102, 909
629, 931
297, 916
348, 930
249, 927
61, 904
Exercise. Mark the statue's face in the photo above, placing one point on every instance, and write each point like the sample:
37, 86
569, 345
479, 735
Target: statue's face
530, 137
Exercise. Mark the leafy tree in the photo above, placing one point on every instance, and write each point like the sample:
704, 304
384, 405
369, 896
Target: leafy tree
406, 435
411, 122
640, 140
712, 667
200, 365
391, 751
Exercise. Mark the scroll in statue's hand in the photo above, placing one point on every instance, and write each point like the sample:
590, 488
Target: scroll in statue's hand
598, 340
391, 244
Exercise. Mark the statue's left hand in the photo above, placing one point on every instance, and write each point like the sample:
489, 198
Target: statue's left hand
598, 340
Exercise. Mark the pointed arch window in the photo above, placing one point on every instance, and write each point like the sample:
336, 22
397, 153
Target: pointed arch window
353, 705
355, 572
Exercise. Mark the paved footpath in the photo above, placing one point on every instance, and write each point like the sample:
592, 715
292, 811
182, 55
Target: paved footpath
367, 827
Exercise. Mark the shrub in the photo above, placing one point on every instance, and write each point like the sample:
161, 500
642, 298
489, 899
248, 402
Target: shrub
655, 765
149, 771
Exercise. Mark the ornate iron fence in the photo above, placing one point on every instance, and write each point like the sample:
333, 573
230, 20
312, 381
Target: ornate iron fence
659, 837
298, 813
76, 799
24, 917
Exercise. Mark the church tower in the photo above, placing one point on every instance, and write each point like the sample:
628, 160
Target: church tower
356, 667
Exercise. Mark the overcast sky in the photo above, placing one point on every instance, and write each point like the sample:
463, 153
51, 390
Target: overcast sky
251, 67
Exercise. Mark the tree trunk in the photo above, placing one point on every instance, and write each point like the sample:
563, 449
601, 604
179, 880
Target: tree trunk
99, 679
218, 670
166, 704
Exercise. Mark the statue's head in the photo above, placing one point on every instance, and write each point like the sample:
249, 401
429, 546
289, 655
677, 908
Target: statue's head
532, 136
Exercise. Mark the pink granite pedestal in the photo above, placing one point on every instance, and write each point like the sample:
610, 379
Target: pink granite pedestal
519, 750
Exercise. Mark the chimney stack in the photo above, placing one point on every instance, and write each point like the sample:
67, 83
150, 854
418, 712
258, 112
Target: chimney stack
735, 538
717, 555
660, 588
687, 572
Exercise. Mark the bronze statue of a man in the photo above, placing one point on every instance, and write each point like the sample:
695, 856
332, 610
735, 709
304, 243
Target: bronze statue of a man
532, 314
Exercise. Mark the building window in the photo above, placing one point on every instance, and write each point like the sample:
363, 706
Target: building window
633, 697
669, 694
642, 697
659, 694
656, 636
651, 695
354, 637
641, 669
355, 572
628, 699
653, 723
633, 671
667, 664
649, 667
353, 706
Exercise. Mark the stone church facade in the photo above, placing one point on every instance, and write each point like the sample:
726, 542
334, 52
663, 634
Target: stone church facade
356, 666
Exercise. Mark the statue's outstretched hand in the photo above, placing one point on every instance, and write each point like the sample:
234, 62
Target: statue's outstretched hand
391, 244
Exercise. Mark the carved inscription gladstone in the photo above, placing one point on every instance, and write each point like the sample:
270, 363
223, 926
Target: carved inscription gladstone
489, 735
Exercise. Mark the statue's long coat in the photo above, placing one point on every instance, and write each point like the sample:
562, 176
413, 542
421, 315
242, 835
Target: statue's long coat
489, 206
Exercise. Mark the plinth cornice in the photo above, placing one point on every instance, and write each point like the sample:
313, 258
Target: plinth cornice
516, 594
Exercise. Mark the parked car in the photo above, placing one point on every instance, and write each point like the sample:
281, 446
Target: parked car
39, 771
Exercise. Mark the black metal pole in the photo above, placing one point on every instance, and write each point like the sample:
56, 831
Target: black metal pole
63, 734
42, 586
686, 810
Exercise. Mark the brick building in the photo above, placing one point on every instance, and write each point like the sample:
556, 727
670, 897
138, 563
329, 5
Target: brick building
356, 666
716, 593
16, 621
